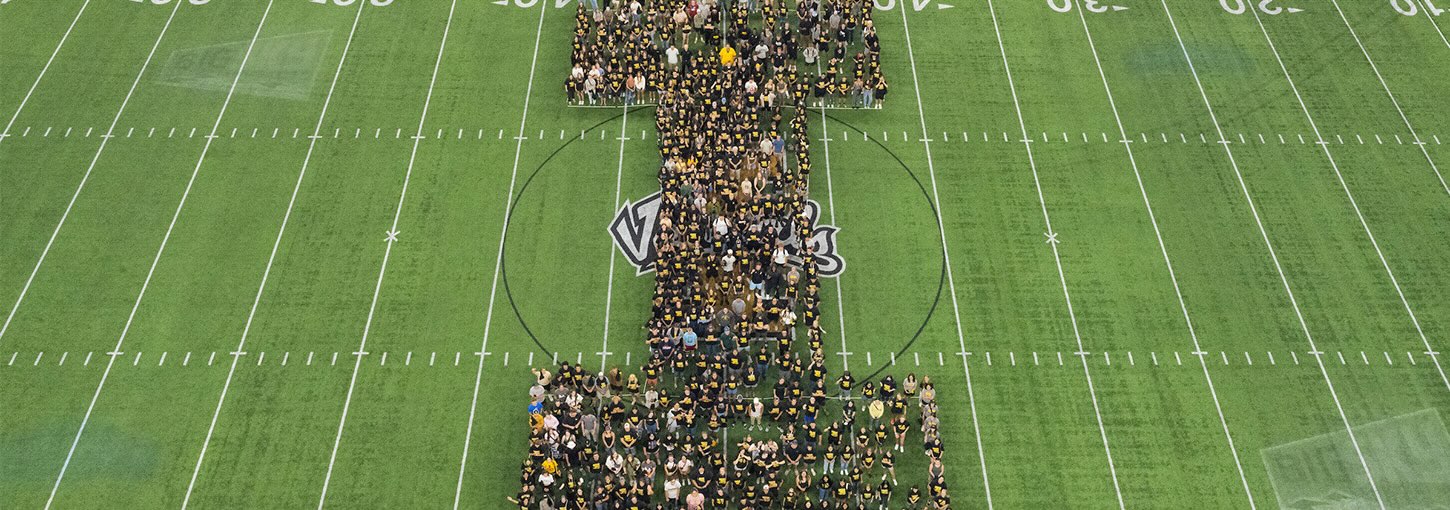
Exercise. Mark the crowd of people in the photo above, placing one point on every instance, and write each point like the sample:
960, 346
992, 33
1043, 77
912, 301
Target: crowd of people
736, 287
627, 51
618, 441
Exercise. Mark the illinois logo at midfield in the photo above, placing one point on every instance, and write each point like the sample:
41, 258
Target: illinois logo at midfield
636, 225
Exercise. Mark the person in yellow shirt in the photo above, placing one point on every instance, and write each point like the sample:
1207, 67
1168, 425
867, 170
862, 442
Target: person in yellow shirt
727, 55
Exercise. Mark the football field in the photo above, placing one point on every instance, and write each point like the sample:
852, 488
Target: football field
304, 253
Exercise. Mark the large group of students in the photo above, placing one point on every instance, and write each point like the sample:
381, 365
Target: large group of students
615, 440
737, 287
627, 51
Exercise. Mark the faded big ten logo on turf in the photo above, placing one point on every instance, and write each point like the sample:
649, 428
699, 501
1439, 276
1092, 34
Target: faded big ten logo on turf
636, 225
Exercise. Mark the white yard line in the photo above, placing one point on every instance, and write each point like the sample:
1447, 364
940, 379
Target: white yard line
390, 240
613, 252
271, 258
1052, 241
92, 166
947, 259
164, 239
1163, 248
23, 101
831, 201
1269, 246
1431, 16
498, 259
1396, 102
1328, 155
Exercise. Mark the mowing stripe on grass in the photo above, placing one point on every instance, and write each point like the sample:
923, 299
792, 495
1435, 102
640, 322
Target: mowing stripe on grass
1167, 262
97, 157
1329, 156
1394, 101
947, 258
164, 239
498, 260
6, 132
1053, 242
271, 257
391, 240
1268, 244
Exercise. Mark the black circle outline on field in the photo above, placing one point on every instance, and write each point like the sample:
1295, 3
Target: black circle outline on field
503, 258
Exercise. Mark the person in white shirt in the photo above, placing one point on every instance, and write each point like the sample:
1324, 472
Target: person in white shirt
672, 491
672, 56
756, 410
615, 463
728, 261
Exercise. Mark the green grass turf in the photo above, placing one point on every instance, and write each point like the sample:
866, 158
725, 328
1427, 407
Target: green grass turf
404, 435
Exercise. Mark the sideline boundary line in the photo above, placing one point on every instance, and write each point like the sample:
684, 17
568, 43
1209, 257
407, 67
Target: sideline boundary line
391, 240
946, 256
498, 260
271, 258
155, 261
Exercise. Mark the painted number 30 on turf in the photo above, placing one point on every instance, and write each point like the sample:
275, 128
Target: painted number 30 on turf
345, 3
159, 2
1097, 6
1264, 6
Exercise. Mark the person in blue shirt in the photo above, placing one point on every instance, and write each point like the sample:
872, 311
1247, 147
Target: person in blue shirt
690, 339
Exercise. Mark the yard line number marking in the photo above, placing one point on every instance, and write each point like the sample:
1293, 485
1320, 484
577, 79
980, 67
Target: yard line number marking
1411, 8
1264, 6
1093, 6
